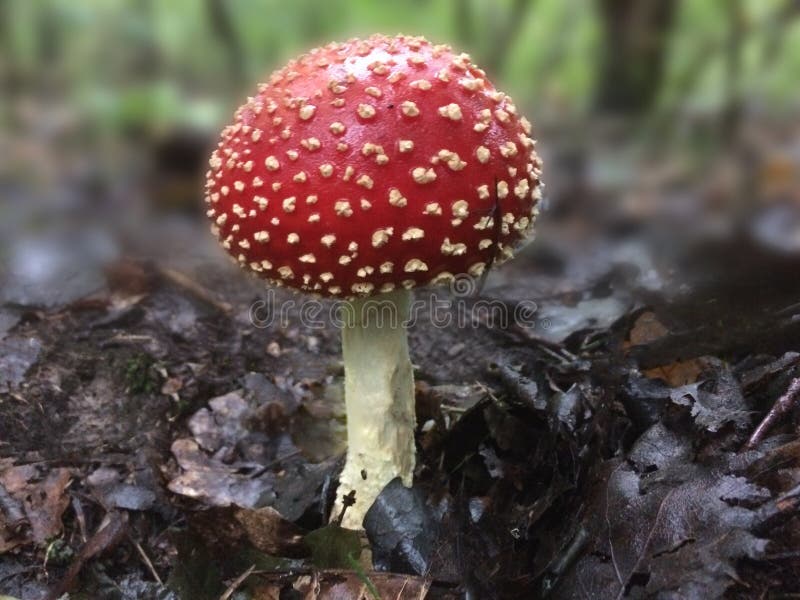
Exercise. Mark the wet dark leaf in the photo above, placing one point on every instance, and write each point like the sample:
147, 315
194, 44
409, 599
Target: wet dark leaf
521, 388
644, 399
715, 401
658, 447
756, 376
401, 529
300, 489
680, 529
234, 457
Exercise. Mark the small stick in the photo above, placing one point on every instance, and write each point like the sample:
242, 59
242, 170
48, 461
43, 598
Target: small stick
779, 409
147, 562
77, 507
236, 583
194, 288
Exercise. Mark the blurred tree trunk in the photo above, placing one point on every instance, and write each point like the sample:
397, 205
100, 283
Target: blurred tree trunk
222, 26
635, 35
777, 30
49, 37
505, 35
9, 76
732, 111
498, 31
464, 22
10, 72
146, 58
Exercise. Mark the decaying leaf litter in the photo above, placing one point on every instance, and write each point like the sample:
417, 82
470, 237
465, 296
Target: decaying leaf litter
156, 444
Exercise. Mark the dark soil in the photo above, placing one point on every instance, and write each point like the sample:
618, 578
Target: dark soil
155, 443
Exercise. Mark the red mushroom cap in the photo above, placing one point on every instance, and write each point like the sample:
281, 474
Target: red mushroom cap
374, 164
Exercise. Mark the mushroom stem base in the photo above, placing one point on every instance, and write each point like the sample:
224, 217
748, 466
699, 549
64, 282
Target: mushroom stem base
379, 394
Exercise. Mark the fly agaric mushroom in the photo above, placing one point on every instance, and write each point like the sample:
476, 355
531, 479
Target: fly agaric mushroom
370, 168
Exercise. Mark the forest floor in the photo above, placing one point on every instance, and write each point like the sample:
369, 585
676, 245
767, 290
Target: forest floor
637, 438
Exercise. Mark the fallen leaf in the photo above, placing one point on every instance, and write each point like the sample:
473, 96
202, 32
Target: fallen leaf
222, 424
231, 461
679, 372
110, 488
679, 530
715, 401
401, 529
43, 502
263, 529
647, 328
213, 482
269, 532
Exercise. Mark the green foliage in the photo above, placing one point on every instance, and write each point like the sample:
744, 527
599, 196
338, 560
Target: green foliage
150, 65
701, 46
138, 375
362, 575
333, 547
59, 553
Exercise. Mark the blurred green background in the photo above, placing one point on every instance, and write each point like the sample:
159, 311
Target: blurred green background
678, 113
123, 64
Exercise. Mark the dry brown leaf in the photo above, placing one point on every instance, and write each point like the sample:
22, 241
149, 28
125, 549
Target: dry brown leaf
43, 502
647, 329
678, 373
270, 533
262, 528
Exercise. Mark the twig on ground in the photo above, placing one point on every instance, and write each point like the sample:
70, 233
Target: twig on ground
236, 583
777, 512
146, 560
190, 285
80, 516
779, 409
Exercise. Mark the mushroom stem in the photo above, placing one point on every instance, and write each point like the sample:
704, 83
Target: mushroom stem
379, 394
